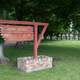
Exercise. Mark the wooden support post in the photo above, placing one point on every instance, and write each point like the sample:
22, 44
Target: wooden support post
35, 42
42, 34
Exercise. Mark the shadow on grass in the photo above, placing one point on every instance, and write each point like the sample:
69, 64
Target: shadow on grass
59, 52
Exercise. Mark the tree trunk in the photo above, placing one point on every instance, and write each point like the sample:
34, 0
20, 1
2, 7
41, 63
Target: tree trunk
61, 36
66, 36
5, 14
51, 35
57, 36
3, 59
1, 51
79, 36
69, 36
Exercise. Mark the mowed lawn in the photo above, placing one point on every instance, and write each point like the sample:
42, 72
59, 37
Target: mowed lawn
66, 66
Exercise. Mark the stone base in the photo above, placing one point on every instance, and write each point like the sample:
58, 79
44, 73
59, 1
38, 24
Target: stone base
4, 60
28, 64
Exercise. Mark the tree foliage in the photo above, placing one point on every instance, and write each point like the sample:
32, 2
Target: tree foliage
58, 13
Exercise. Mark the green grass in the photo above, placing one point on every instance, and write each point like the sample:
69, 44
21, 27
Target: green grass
66, 68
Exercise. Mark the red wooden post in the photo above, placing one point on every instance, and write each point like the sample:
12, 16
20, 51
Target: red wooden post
42, 34
35, 42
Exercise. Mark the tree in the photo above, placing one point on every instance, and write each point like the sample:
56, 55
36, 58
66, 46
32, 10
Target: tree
1, 47
43, 10
3, 59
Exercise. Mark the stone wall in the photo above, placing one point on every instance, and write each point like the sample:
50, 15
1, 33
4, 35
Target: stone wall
28, 64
